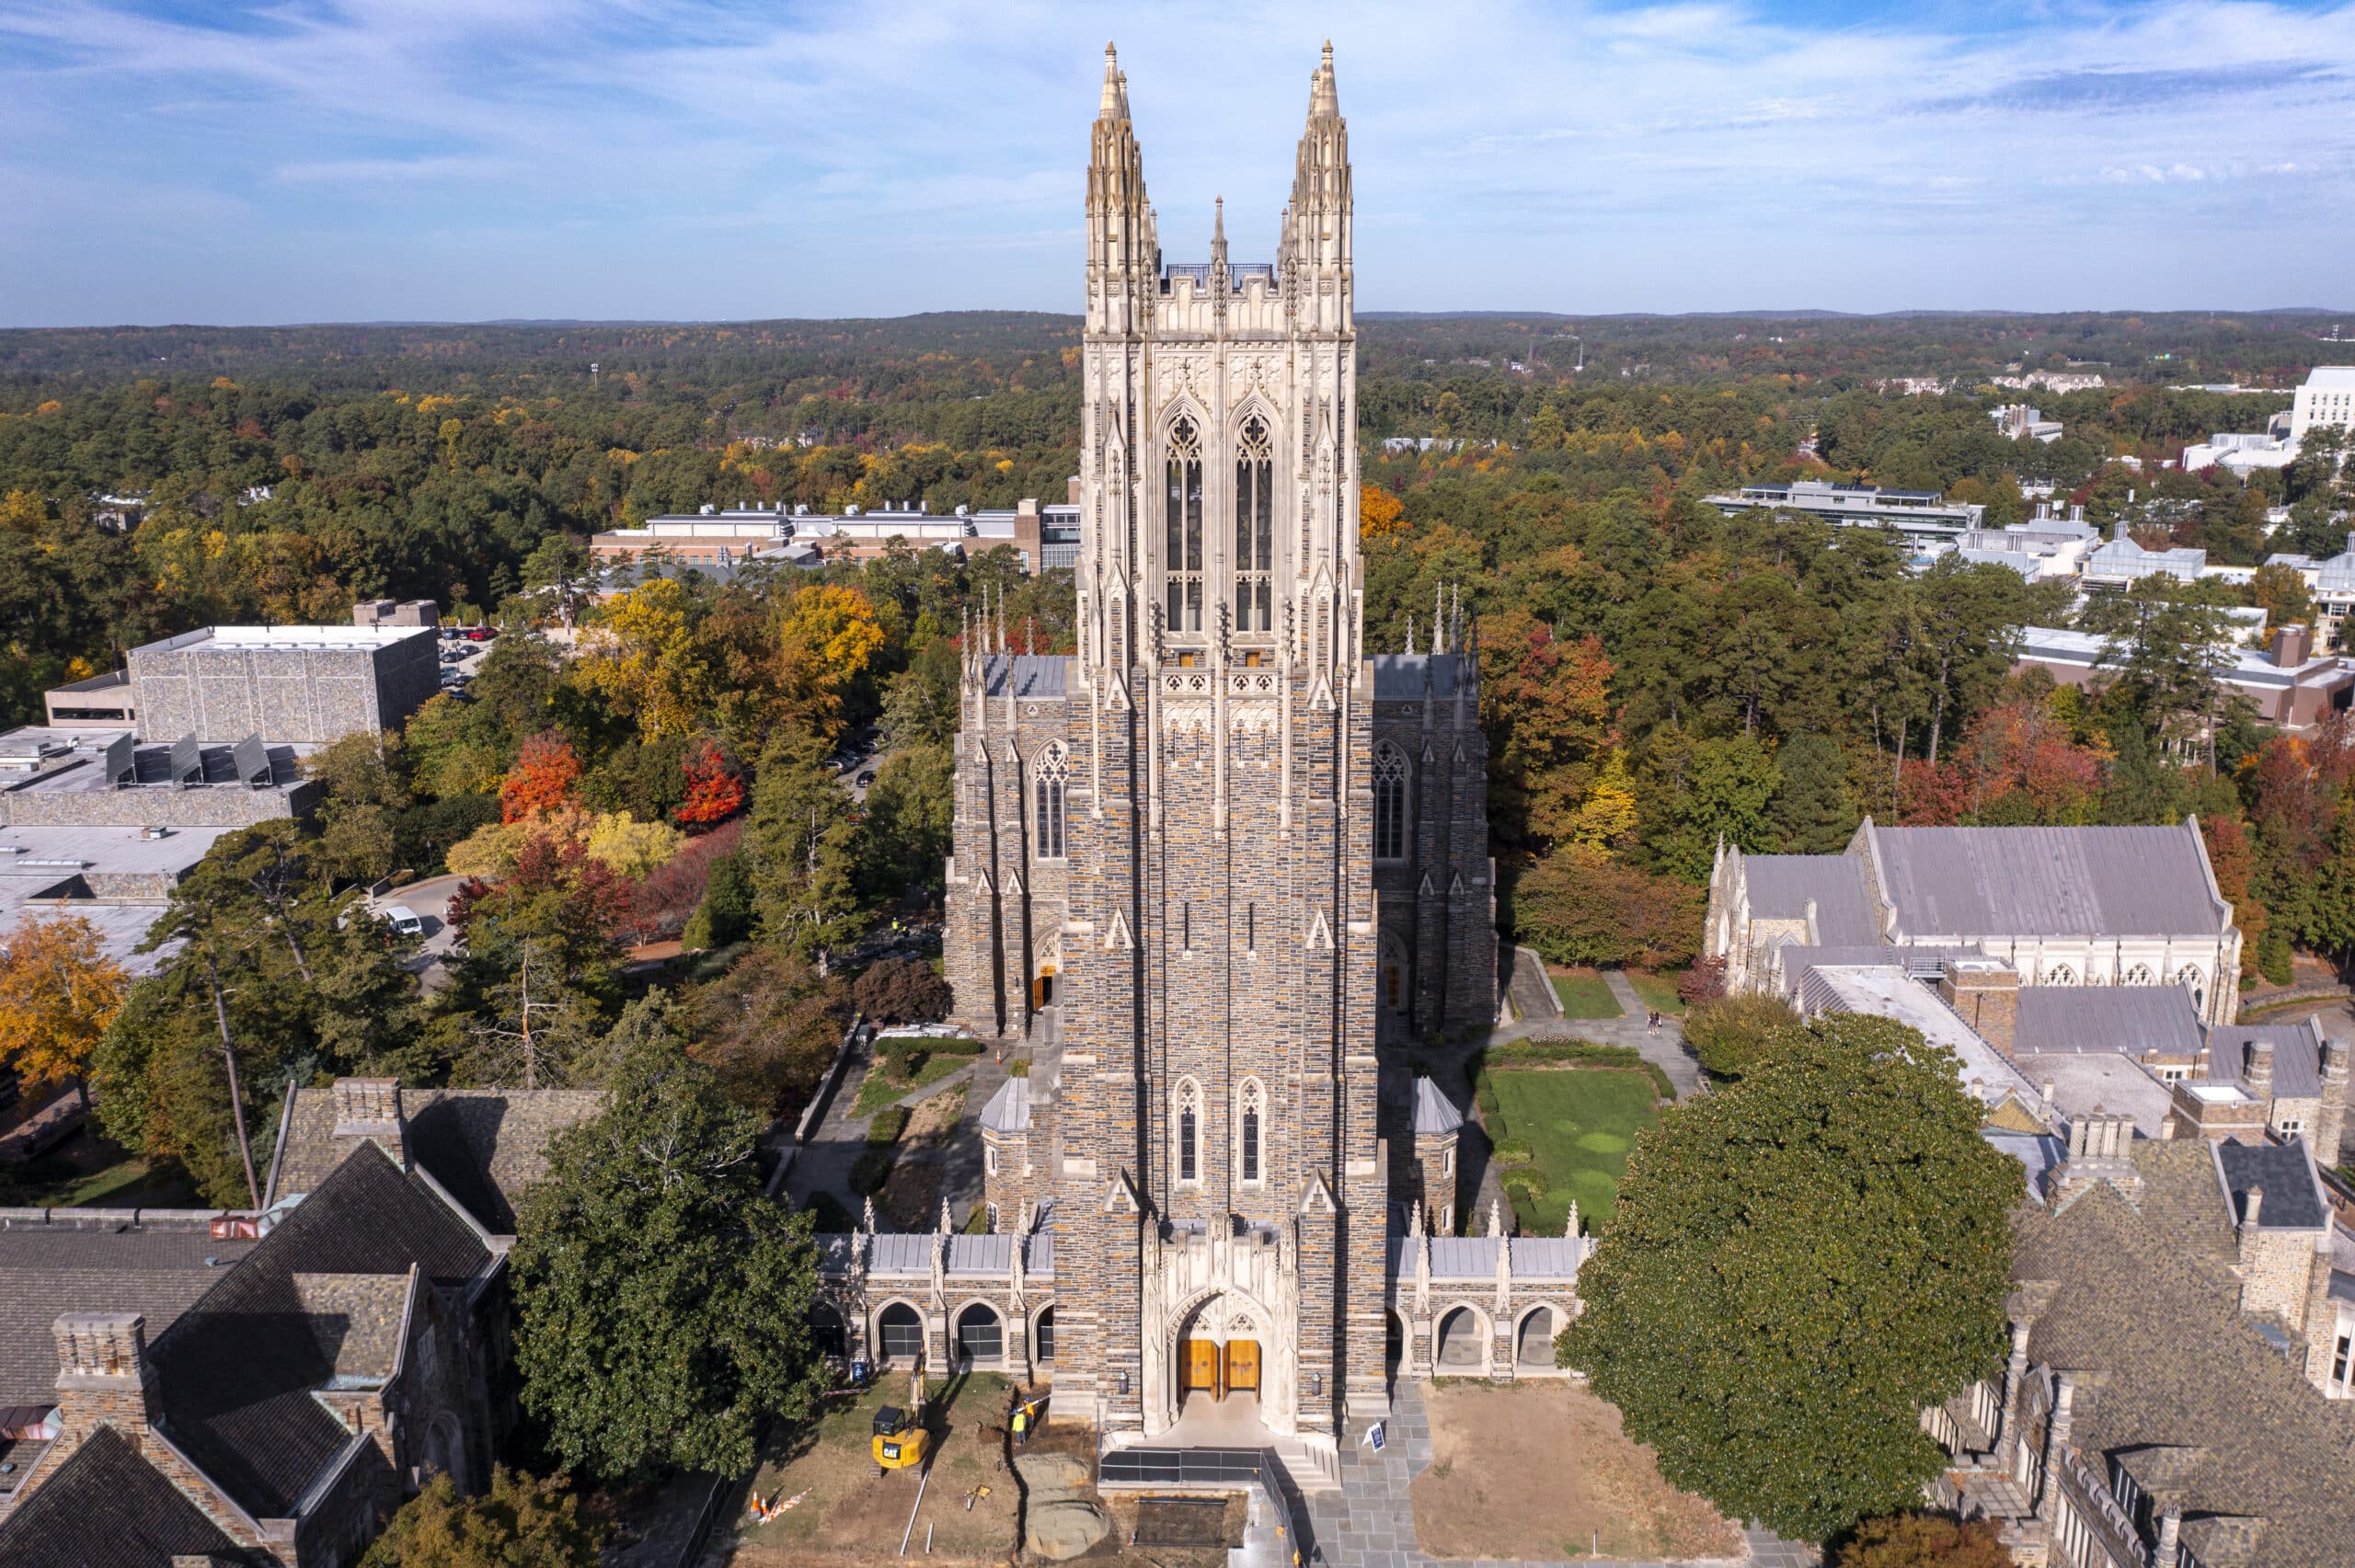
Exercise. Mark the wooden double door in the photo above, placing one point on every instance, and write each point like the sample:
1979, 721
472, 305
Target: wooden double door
1219, 1369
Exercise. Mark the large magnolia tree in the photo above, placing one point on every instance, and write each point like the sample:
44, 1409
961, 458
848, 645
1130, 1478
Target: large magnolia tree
1797, 1265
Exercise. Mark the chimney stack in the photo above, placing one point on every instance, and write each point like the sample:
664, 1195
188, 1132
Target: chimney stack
2257, 1071
1986, 993
2330, 1111
2292, 646
368, 1110
103, 1377
2252, 1204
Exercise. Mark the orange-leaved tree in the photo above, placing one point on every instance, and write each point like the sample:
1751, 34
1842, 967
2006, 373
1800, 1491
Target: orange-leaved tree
1380, 513
714, 790
541, 779
58, 993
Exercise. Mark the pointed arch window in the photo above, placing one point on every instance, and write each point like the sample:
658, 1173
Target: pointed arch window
1190, 1132
1389, 803
1182, 561
1255, 529
2140, 975
2059, 975
1251, 1105
1048, 776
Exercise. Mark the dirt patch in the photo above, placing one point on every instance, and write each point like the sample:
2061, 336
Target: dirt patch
910, 1196
1542, 1471
852, 1514
937, 1116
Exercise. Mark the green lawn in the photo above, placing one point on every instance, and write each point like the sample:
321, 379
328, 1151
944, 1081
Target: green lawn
878, 1091
1580, 1123
1659, 992
1584, 995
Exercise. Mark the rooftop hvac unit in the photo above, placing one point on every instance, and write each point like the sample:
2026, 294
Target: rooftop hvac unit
154, 831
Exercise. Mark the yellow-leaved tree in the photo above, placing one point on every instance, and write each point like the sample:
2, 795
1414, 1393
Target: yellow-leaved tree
58, 993
643, 656
1380, 513
830, 636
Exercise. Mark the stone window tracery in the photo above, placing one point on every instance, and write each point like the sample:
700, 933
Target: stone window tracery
1182, 561
1255, 529
2140, 975
1189, 1131
1389, 803
2059, 975
1049, 775
1251, 1102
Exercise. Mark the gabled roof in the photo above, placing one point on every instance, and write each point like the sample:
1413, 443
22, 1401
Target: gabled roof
485, 1145
1782, 885
2291, 1200
2297, 1056
2008, 882
1009, 1109
1400, 677
48, 1269
236, 1374
2165, 1358
1033, 674
108, 1507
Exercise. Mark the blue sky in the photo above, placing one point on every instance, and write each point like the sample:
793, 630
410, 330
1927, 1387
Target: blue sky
310, 160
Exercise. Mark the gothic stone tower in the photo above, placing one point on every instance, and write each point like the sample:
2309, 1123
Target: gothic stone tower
1172, 835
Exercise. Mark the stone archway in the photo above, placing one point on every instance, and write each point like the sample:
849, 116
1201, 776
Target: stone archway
1460, 1344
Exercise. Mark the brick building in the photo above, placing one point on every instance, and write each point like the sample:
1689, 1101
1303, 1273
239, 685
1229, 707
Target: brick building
1227, 846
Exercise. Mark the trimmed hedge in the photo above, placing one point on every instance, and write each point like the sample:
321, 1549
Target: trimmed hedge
1582, 1053
1511, 1152
872, 1169
889, 1123
1529, 1179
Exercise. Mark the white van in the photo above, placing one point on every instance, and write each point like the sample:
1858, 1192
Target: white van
405, 919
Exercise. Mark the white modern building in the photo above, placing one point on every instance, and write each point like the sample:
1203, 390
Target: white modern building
2327, 398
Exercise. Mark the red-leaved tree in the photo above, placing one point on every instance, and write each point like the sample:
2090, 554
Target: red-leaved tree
541, 779
714, 790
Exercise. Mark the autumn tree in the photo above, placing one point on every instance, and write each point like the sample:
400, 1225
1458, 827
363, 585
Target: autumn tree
828, 638
1545, 707
714, 790
1800, 1263
641, 652
59, 992
523, 1521
768, 1029
546, 772
1380, 513
1921, 1540
1579, 906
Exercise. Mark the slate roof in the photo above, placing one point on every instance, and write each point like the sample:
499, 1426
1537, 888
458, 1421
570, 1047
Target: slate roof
2297, 1056
2007, 882
1464, 1258
485, 1145
1034, 674
108, 1507
49, 1269
236, 1373
1009, 1109
2114, 1020
1398, 677
1781, 885
1434, 1112
2179, 1366
2291, 1201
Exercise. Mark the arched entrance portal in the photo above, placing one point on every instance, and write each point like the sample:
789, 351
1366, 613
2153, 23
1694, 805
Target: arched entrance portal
1221, 1356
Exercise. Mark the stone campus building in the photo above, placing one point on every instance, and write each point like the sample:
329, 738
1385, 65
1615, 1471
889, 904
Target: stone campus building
1227, 848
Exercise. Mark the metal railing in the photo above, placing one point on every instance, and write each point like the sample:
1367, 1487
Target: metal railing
1228, 1467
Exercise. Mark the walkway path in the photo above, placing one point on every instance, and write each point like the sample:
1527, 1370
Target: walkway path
1370, 1522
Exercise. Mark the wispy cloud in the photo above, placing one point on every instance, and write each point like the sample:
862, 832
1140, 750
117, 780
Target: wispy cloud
371, 158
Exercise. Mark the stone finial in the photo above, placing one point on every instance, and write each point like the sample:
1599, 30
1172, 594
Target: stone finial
947, 1225
1572, 1228
1495, 1217
1113, 104
868, 1223
1415, 1219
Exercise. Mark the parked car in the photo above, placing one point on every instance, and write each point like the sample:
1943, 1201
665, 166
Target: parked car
403, 919
866, 778
478, 634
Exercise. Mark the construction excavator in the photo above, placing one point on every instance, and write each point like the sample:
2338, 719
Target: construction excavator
901, 1440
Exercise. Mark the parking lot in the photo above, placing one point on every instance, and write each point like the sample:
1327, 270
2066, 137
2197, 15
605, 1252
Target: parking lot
462, 656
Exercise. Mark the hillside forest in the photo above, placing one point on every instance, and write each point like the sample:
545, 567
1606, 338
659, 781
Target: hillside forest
1656, 678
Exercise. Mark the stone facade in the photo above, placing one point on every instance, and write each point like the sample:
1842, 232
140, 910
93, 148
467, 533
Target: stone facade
312, 684
1228, 847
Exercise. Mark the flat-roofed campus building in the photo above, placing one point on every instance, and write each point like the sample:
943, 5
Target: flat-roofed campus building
1917, 514
310, 685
